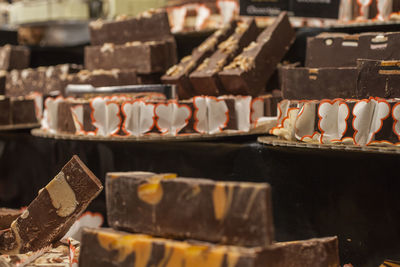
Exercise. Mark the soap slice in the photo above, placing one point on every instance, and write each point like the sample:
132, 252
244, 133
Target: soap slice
53, 211
229, 213
106, 247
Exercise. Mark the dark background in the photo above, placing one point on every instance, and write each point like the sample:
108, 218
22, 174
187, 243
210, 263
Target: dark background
354, 195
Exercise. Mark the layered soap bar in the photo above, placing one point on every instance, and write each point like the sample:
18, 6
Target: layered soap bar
99, 77
179, 73
378, 78
106, 247
50, 215
46, 80
249, 72
223, 212
14, 57
205, 78
343, 50
145, 57
148, 26
74, 116
318, 83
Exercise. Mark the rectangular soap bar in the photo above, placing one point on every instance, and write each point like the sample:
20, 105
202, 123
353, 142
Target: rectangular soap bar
106, 247
152, 25
145, 57
223, 212
14, 57
99, 77
74, 116
205, 79
179, 73
378, 78
23, 110
46, 80
50, 215
5, 110
343, 50
249, 72
318, 83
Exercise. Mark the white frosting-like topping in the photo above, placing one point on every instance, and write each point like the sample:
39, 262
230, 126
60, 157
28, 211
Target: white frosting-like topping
62, 196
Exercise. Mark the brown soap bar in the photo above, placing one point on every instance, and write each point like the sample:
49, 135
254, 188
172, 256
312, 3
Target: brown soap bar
99, 78
205, 78
378, 78
249, 72
46, 80
106, 247
223, 212
145, 57
154, 78
318, 83
14, 57
23, 110
5, 110
53, 211
148, 26
3, 77
343, 50
179, 73
65, 121
7, 216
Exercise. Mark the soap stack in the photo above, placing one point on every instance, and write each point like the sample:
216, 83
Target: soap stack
162, 220
142, 44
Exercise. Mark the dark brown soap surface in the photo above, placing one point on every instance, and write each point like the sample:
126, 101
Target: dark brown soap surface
44, 222
226, 213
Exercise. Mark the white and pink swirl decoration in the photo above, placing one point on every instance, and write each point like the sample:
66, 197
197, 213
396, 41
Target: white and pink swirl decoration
139, 117
333, 117
172, 117
105, 116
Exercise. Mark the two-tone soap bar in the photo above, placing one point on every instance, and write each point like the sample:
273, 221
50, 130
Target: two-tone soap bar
106, 247
230, 213
50, 215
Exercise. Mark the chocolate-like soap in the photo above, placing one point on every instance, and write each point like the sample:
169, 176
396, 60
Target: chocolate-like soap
46, 80
99, 78
149, 26
106, 247
5, 108
318, 83
23, 110
145, 57
53, 211
3, 76
179, 73
7, 216
223, 212
205, 78
378, 78
343, 50
67, 123
14, 57
249, 72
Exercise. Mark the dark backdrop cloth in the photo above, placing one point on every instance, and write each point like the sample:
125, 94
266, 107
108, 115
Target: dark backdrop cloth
354, 195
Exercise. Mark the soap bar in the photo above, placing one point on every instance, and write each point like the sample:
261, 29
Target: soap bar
23, 110
14, 57
318, 83
249, 72
343, 50
106, 247
205, 78
145, 57
378, 78
5, 108
50, 215
152, 25
74, 116
179, 73
99, 78
7, 216
223, 212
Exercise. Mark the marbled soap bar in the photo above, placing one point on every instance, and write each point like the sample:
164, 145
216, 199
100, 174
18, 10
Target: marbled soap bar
50, 215
106, 247
229, 213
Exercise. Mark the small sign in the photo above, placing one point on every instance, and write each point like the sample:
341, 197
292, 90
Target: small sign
299, 8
